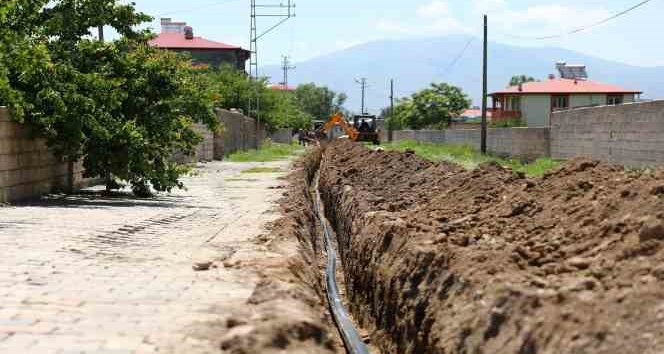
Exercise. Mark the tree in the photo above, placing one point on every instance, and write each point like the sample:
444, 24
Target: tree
517, 80
229, 88
123, 107
320, 102
433, 107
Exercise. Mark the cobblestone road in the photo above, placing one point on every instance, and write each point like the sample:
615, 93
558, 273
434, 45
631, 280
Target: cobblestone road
90, 275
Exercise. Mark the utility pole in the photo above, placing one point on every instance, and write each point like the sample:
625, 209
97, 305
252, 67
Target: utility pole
484, 87
389, 126
100, 29
282, 11
286, 67
363, 83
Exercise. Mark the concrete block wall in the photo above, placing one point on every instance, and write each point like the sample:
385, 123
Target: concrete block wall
205, 150
239, 133
523, 143
27, 167
630, 134
282, 136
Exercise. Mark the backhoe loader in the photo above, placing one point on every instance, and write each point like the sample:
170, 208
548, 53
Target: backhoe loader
360, 130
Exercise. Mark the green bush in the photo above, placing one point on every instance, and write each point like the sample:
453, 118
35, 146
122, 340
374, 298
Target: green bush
468, 157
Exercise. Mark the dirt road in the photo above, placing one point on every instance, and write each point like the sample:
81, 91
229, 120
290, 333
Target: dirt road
85, 274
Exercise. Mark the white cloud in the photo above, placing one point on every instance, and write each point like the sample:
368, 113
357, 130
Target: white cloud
538, 20
434, 9
433, 18
438, 17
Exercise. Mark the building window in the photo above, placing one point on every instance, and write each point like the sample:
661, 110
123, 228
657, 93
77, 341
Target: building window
613, 100
513, 103
559, 103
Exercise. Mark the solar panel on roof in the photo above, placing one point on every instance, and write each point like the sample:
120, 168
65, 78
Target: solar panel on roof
575, 72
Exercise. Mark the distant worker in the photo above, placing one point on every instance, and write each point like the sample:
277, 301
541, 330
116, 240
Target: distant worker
364, 127
302, 137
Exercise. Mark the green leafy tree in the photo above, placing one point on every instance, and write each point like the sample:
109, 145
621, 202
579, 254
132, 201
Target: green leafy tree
320, 102
123, 107
229, 88
517, 80
430, 108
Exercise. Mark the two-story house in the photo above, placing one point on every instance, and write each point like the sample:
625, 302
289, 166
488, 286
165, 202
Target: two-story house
179, 37
533, 102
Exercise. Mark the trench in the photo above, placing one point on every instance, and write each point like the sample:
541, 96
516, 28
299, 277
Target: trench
440, 259
353, 342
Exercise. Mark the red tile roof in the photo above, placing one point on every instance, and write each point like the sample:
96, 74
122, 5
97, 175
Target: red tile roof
474, 113
565, 86
281, 87
177, 41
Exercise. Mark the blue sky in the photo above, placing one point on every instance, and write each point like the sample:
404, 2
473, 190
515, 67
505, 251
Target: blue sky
324, 26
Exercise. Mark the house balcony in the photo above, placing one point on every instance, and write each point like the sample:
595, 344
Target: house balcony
500, 115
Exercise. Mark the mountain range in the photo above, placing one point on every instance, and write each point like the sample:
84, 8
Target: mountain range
414, 63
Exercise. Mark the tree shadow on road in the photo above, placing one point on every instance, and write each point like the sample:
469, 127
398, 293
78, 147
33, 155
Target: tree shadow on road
96, 199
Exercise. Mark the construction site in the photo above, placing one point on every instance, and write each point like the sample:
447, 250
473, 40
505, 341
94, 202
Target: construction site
434, 258
429, 177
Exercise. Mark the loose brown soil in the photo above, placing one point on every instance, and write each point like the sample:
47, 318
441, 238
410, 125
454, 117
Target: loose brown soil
439, 259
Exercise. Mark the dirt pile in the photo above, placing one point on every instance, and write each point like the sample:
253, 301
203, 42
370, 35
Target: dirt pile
439, 259
287, 312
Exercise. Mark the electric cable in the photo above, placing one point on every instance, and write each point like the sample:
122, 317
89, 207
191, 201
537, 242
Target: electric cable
586, 27
458, 57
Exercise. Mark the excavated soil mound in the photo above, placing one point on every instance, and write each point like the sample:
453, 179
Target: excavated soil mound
439, 259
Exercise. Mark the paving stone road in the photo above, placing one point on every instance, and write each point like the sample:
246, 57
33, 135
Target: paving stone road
85, 274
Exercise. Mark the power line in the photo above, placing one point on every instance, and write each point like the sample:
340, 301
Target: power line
282, 11
363, 82
458, 57
586, 27
286, 67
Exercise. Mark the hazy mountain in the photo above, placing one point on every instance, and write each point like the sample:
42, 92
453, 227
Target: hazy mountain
415, 63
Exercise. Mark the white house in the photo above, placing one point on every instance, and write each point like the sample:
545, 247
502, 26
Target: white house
533, 102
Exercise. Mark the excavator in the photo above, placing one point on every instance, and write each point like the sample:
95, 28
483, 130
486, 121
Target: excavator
360, 130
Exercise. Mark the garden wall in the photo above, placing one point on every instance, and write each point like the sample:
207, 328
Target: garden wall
239, 133
630, 134
522, 143
282, 136
27, 168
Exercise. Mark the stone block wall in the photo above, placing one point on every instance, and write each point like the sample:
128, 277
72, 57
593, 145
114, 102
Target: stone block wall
239, 133
27, 167
205, 150
629, 134
523, 143
282, 136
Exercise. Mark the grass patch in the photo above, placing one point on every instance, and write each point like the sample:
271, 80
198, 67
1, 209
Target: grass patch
268, 152
263, 170
468, 157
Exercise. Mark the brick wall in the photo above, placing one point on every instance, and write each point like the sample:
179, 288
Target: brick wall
27, 168
630, 134
523, 143
239, 133
282, 136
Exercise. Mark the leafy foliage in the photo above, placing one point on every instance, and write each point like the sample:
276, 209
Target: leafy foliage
230, 88
123, 107
511, 123
319, 102
430, 108
517, 80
